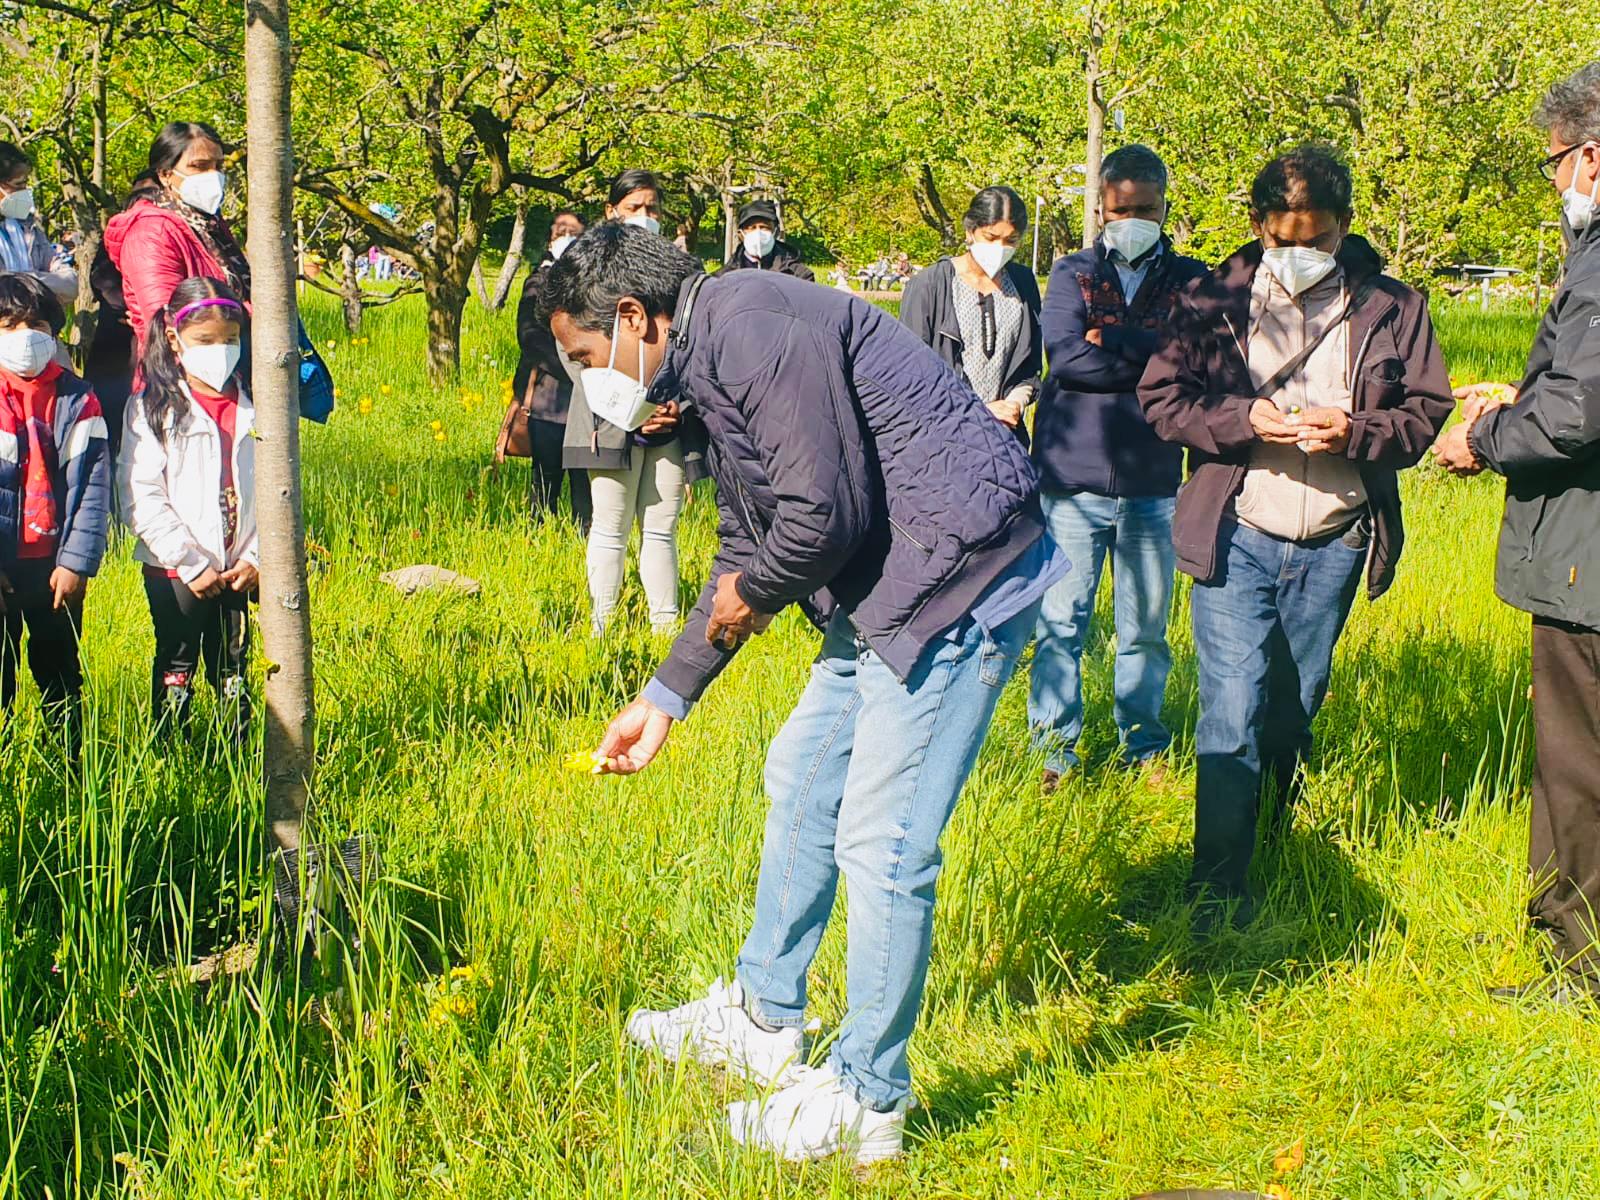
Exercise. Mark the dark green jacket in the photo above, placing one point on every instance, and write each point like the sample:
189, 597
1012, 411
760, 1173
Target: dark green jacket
1547, 445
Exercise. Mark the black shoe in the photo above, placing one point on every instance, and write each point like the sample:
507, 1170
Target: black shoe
1213, 911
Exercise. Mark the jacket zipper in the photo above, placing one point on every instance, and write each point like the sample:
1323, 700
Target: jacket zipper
906, 533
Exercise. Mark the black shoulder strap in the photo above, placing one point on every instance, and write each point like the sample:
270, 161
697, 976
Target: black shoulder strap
1292, 368
678, 335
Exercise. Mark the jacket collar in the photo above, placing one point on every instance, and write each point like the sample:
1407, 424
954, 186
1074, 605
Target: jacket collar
687, 320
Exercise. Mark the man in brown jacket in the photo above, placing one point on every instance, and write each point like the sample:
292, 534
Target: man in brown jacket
1302, 380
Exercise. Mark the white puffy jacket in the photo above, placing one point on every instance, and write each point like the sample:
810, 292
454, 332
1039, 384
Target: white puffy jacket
170, 490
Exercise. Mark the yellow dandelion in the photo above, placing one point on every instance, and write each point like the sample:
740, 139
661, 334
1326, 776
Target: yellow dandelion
336, 393
586, 762
385, 388
466, 973
333, 345
436, 426
439, 437
365, 405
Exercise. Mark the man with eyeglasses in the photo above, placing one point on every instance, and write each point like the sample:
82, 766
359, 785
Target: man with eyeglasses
1547, 445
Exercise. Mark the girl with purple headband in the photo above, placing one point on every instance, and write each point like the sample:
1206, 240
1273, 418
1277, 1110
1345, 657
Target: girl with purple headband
187, 483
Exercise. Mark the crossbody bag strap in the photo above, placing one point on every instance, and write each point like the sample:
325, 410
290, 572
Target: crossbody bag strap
1293, 367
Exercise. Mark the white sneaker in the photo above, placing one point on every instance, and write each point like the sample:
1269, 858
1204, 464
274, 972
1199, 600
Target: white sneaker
718, 1031
816, 1118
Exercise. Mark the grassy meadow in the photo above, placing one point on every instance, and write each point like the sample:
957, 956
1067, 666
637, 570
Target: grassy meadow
1075, 1043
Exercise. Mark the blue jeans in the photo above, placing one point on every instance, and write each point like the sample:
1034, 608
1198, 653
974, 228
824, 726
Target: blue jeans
1137, 532
872, 809
1264, 632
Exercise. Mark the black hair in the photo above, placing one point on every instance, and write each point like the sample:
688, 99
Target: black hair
163, 373
166, 152
1309, 178
24, 300
568, 212
13, 160
1133, 164
993, 205
1571, 108
606, 264
628, 182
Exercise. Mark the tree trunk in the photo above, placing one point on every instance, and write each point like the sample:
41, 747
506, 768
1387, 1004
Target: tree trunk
350, 285
445, 302
479, 281
730, 223
275, 376
513, 263
1094, 140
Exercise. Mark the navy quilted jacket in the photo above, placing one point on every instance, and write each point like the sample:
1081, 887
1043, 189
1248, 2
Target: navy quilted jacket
854, 469
83, 484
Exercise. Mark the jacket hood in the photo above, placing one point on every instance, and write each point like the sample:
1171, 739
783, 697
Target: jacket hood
123, 224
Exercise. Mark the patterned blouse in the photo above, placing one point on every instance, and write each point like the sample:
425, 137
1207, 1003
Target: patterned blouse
990, 329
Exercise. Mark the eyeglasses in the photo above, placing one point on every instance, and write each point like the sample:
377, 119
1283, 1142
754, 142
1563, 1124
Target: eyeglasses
1551, 165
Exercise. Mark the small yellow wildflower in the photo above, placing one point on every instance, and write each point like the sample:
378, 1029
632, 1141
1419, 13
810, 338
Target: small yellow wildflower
436, 426
439, 437
366, 405
586, 762
385, 388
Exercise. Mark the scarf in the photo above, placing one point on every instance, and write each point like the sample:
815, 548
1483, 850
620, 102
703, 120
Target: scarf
218, 240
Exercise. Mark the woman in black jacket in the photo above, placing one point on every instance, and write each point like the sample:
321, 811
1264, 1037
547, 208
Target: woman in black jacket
544, 387
980, 310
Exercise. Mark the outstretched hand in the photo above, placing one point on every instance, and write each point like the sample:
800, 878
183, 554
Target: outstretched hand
634, 738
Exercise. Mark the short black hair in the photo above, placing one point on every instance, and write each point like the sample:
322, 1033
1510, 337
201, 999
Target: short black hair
13, 160
569, 212
609, 262
993, 205
1571, 108
1309, 178
24, 300
628, 182
1133, 164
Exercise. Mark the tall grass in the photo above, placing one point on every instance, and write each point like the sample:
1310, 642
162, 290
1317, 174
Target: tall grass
1075, 1043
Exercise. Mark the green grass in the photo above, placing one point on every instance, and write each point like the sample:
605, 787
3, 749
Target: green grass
1075, 1043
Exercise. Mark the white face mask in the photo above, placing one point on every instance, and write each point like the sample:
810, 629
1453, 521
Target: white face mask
26, 352
211, 365
1298, 267
17, 205
204, 191
614, 395
559, 246
758, 243
1132, 238
1578, 208
992, 256
645, 222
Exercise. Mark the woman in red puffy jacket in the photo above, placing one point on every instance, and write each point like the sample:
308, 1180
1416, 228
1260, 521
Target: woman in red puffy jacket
172, 228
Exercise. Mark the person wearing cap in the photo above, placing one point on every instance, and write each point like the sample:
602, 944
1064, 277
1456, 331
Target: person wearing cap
759, 246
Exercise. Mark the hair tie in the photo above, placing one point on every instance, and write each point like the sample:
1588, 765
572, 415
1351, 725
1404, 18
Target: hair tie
209, 302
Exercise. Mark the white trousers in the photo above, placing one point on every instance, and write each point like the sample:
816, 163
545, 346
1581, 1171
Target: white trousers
650, 493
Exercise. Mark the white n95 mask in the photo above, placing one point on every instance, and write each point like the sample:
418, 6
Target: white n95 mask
992, 256
211, 365
645, 222
614, 395
1132, 238
204, 191
1298, 267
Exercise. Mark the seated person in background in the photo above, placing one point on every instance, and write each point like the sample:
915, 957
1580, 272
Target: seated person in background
760, 247
1302, 380
1108, 480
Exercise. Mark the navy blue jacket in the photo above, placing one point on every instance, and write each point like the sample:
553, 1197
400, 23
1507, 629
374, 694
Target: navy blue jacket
1090, 433
854, 469
82, 484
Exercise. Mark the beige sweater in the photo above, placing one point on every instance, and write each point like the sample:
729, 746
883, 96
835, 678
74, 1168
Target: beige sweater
1288, 493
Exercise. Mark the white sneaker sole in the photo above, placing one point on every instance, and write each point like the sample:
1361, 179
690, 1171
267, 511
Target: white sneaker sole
746, 1128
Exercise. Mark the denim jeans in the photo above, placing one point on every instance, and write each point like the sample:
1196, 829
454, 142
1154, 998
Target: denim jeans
872, 809
1137, 532
1264, 632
